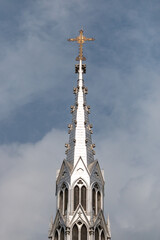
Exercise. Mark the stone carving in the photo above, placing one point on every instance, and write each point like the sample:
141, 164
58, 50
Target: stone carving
75, 90
68, 147
87, 108
73, 109
79, 213
84, 68
64, 173
70, 126
63, 186
85, 90
75, 122
89, 128
91, 231
93, 151
93, 145
67, 231
96, 186
76, 68
80, 182
96, 173
79, 223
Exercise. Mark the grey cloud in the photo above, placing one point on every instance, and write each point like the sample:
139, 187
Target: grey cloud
131, 160
27, 189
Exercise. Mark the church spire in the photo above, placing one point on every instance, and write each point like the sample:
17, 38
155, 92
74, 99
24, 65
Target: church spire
80, 142
80, 180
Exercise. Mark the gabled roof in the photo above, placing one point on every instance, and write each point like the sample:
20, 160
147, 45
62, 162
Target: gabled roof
80, 159
58, 218
100, 219
65, 166
77, 216
92, 167
69, 165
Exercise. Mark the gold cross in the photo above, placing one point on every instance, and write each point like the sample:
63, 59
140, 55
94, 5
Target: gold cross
81, 40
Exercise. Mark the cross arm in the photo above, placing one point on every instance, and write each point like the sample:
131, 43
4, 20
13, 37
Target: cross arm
72, 39
88, 39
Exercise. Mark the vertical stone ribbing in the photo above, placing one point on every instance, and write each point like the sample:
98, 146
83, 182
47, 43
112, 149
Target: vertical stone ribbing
80, 135
80, 142
88, 126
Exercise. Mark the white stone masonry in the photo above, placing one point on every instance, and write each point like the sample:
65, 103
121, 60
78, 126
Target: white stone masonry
80, 134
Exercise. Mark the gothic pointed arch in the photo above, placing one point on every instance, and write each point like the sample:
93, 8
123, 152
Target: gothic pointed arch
80, 194
98, 201
75, 232
96, 234
63, 198
66, 199
61, 201
62, 234
94, 200
102, 235
76, 197
83, 232
83, 196
56, 235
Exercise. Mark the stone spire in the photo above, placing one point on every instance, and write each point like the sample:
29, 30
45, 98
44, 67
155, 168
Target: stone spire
80, 180
80, 142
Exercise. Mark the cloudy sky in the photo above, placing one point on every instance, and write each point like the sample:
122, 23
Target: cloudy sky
36, 81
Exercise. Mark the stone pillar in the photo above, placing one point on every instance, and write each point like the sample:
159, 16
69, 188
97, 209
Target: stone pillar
67, 233
91, 233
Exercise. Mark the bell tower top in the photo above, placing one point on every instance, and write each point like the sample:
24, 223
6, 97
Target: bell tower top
81, 39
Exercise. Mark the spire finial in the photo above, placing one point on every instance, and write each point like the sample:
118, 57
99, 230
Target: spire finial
81, 39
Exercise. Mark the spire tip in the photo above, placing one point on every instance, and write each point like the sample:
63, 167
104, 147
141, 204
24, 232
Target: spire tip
81, 39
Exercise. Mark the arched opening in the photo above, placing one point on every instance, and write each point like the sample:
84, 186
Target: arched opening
75, 232
96, 234
83, 197
62, 234
56, 235
66, 200
61, 201
83, 232
102, 236
76, 197
94, 201
98, 201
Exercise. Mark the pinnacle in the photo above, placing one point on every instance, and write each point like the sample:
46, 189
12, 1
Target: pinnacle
80, 130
